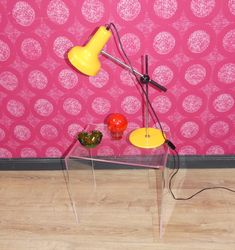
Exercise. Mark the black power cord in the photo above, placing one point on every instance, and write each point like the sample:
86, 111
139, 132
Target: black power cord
176, 167
175, 154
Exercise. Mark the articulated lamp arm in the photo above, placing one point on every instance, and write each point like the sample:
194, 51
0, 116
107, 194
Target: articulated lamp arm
160, 87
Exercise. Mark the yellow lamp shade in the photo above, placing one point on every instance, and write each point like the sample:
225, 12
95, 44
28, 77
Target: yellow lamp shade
85, 58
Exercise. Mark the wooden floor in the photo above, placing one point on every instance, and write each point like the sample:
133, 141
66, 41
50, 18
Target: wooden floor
120, 213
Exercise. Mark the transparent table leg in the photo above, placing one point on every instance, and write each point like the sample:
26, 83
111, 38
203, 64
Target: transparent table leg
163, 200
81, 185
161, 191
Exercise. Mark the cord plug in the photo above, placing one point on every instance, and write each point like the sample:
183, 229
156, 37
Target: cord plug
170, 144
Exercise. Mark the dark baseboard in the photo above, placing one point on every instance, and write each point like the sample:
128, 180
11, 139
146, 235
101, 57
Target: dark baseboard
203, 161
31, 164
186, 161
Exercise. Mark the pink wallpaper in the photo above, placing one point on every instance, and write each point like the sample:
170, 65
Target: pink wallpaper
45, 102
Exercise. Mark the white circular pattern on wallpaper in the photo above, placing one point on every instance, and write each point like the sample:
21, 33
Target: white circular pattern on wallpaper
165, 8
57, 11
9, 80
45, 102
23, 13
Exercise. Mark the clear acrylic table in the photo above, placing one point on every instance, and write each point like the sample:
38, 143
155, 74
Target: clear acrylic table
84, 166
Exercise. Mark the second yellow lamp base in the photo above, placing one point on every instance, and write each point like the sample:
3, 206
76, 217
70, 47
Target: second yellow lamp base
147, 138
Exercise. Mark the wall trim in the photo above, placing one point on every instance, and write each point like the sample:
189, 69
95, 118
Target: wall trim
186, 161
25, 164
204, 161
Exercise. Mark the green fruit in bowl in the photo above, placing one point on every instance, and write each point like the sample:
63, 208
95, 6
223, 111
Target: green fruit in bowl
90, 139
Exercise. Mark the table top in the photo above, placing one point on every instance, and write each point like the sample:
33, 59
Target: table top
119, 151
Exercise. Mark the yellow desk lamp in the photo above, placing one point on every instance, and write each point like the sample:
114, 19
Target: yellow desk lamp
86, 60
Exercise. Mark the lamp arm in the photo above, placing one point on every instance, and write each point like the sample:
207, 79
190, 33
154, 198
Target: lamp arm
117, 60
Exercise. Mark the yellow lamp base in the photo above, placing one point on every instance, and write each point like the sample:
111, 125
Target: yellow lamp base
147, 138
